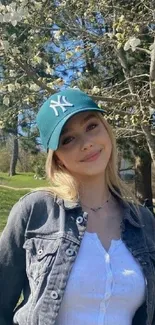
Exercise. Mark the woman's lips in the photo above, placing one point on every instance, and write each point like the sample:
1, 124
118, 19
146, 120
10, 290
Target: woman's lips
92, 157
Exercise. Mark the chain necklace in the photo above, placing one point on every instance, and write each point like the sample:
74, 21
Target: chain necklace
98, 208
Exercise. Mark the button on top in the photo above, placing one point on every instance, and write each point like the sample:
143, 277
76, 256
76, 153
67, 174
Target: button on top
54, 295
79, 220
69, 252
40, 251
107, 295
85, 218
85, 215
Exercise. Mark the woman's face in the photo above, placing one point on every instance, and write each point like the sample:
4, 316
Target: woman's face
85, 146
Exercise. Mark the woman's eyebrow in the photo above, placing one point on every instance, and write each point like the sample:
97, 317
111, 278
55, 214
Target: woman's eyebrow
86, 119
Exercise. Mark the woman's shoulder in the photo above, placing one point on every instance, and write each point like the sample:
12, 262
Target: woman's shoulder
29, 208
37, 196
146, 215
142, 217
38, 201
32, 203
142, 214
148, 222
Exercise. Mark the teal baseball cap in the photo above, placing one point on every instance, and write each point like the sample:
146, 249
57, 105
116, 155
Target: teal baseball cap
57, 110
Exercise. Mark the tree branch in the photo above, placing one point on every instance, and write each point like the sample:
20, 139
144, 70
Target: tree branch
130, 78
31, 73
34, 76
143, 50
125, 169
123, 61
152, 73
132, 131
115, 100
150, 140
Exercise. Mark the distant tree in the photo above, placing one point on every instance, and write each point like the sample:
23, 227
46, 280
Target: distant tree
42, 38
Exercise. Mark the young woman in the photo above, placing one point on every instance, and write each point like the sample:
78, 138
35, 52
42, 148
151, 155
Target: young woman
79, 252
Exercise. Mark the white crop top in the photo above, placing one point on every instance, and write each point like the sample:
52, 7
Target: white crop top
104, 288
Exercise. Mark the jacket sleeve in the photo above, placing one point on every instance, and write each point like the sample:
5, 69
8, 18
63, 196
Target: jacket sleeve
12, 262
148, 221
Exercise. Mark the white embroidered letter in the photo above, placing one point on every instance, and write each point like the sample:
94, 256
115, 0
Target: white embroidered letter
62, 103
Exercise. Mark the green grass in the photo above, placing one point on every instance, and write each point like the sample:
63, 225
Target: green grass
8, 197
7, 200
21, 180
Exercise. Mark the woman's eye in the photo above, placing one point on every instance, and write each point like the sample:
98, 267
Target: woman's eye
92, 126
67, 140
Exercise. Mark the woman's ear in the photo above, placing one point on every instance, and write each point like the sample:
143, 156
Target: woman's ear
58, 161
60, 164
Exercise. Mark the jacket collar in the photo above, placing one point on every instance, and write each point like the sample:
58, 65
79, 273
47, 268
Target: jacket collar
130, 212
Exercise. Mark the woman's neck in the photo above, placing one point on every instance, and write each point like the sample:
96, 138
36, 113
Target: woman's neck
93, 191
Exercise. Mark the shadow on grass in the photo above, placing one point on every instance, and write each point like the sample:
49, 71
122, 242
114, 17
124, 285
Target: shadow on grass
2, 180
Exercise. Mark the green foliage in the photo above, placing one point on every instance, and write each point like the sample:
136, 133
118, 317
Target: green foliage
115, 45
26, 157
38, 165
28, 143
25, 162
4, 159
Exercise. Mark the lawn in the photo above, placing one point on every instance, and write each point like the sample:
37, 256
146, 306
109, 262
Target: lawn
8, 196
22, 180
7, 199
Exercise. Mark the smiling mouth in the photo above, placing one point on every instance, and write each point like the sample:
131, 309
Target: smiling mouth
92, 157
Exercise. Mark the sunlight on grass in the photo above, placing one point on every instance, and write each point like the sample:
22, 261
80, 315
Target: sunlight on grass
22, 180
8, 197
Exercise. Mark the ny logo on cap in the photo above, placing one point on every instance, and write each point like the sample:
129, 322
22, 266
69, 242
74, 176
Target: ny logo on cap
60, 103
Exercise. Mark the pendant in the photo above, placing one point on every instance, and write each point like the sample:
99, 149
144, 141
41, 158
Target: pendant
96, 209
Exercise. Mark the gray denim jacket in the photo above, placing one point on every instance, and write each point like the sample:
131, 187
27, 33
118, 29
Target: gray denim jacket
39, 246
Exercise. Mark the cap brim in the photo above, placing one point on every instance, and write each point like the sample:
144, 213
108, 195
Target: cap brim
54, 140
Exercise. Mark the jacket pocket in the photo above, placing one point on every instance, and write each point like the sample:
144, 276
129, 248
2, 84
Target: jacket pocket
40, 255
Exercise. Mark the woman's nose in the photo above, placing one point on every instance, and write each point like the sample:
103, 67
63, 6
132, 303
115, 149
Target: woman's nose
86, 143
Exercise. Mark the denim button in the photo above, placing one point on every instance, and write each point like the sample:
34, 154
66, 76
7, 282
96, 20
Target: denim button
142, 261
54, 295
107, 295
40, 251
69, 252
79, 220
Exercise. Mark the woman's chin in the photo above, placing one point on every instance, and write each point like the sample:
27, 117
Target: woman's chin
91, 173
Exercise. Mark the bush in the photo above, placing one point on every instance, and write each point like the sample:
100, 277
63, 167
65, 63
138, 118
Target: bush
38, 164
27, 162
5, 157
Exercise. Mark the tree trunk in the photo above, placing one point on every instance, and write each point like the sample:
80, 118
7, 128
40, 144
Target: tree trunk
14, 157
150, 138
127, 73
143, 186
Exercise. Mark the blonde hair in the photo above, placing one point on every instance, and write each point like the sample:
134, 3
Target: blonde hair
64, 185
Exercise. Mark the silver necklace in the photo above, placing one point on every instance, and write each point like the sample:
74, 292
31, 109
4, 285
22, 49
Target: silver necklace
98, 208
